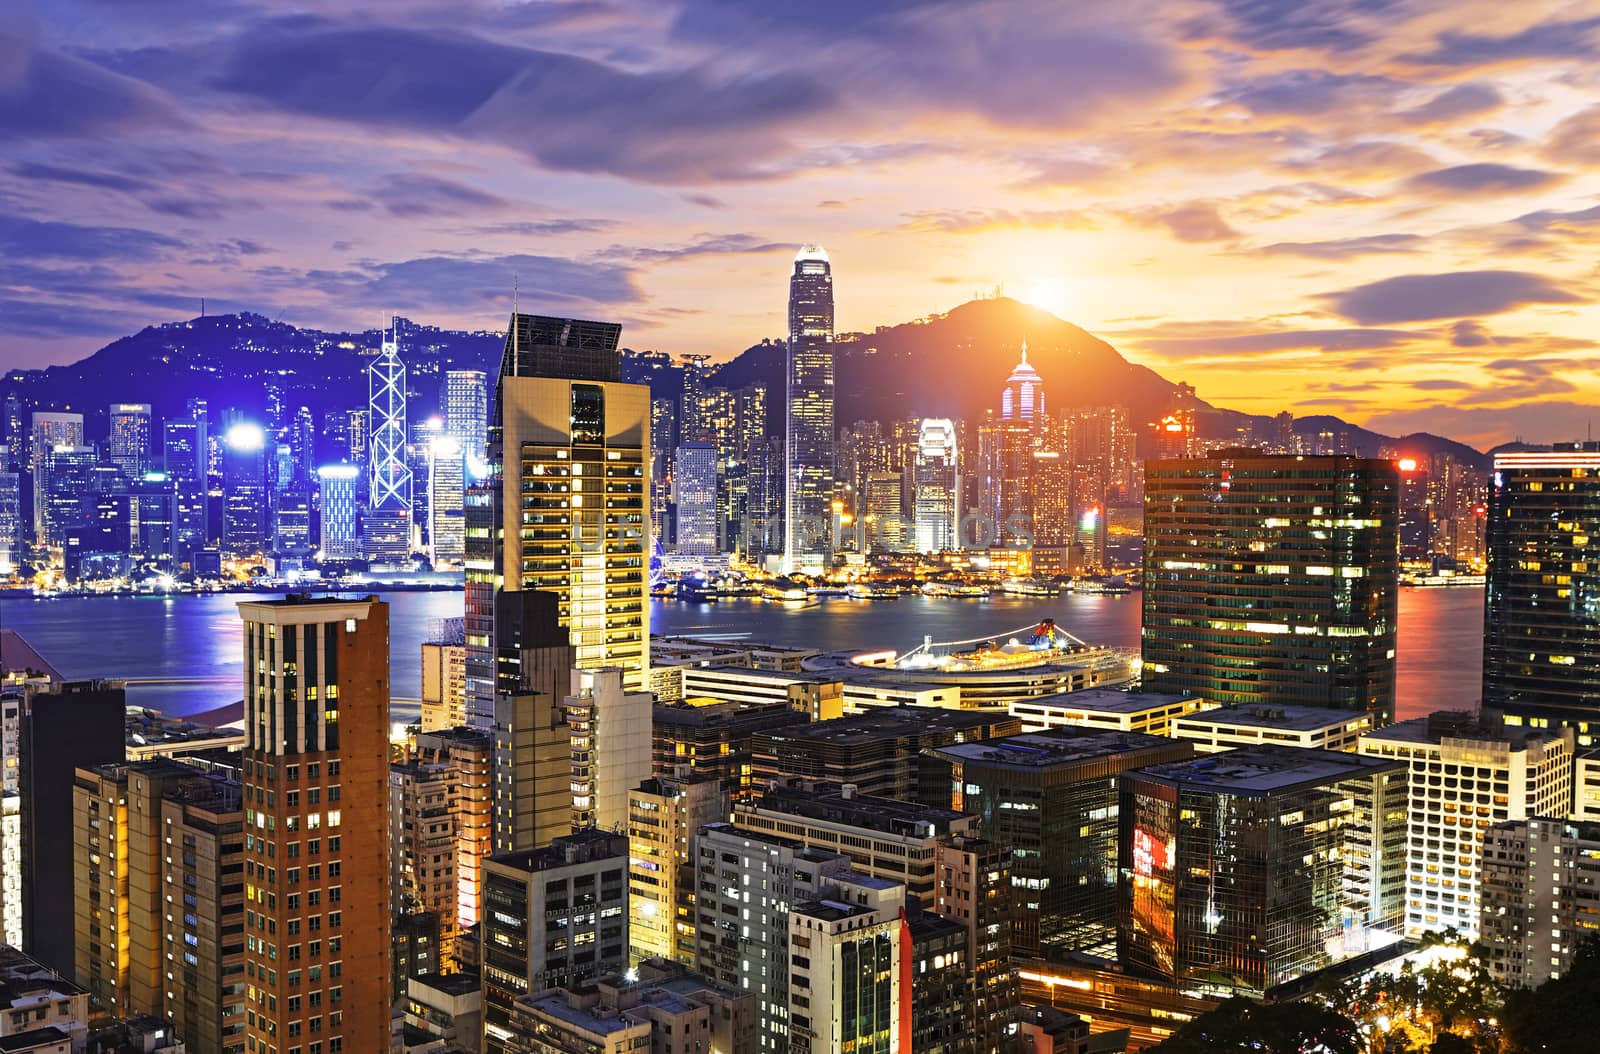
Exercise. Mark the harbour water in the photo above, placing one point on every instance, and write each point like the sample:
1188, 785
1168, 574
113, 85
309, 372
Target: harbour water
195, 640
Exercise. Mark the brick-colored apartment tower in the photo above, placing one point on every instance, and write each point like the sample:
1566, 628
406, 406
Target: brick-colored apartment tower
316, 776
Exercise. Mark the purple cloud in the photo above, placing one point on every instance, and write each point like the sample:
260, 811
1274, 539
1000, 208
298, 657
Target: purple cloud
1423, 297
24, 238
1483, 178
1283, 25
1464, 100
1346, 248
45, 95
414, 195
1310, 92
1547, 40
1289, 340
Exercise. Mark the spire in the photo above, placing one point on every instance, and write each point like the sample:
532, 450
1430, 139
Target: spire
1024, 347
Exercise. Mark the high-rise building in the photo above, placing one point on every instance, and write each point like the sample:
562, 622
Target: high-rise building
532, 743
554, 916
1540, 895
471, 755
1308, 545
663, 444
316, 776
339, 508
610, 740
15, 433
885, 520
130, 435
424, 843
11, 552
1052, 798
665, 814
974, 888
567, 499
746, 943
60, 727
715, 739
809, 412
291, 526
1238, 868
847, 978
444, 676
1541, 648
694, 483
447, 487
937, 491
1022, 399
185, 456
1505, 773
466, 410
50, 430
388, 524
142, 833
244, 487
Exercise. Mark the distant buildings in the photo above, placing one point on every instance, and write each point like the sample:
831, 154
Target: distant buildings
936, 498
694, 481
1308, 545
1541, 649
130, 441
809, 416
389, 501
340, 537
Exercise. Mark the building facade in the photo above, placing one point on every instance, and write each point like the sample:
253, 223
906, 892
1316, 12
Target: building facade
1540, 897
808, 503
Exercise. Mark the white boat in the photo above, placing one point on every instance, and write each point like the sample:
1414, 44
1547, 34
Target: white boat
1026, 587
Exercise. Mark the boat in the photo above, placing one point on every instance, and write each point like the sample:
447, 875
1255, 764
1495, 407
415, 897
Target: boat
1441, 580
786, 591
1026, 587
867, 591
953, 589
1103, 585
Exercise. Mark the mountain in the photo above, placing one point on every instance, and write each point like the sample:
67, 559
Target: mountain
946, 365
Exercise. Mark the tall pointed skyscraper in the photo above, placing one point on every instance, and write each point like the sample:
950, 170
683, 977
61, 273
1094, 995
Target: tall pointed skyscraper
388, 526
808, 531
565, 508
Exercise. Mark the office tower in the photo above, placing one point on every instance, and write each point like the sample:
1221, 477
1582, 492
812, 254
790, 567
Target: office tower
339, 507
303, 444
316, 716
848, 990
466, 410
745, 943
567, 445
695, 407
12, 554
941, 984
1310, 542
1540, 894
1541, 648
665, 814
153, 521
936, 509
471, 755
244, 488
387, 527
444, 676
50, 430
1216, 728
61, 726
447, 487
715, 740
1052, 797
1238, 868
159, 914
63, 482
881, 836
16, 434
358, 430
1022, 398
423, 845
663, 445
1416, 515
610, 739
1004, 513
659, 1006
974, 889
1507, 773
291, 529
185, 456
420, 460
694, 484
532, 744
129, 444
809, 412
554, 916
887, 752
764, 495
884, 518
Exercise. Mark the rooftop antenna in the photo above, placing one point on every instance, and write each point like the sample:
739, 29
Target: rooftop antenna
516, 352
202, 307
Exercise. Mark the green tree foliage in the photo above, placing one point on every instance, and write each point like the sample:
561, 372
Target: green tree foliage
1558, 1016
1273, 1028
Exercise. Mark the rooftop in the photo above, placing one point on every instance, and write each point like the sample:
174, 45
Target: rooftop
464, 983
1265, 769
1458, 725
837, 802
892, 721
1054, 748
585, 846
19, 660
1293, 718
1112, 701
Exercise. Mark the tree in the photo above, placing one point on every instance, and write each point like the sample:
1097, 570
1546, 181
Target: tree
1558, 1016
1265, 1028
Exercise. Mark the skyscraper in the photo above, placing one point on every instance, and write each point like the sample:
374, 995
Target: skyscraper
185, 455
11, 553
244, 488
1541, 647
388, 525
808, 507
466, 410
129, 447
567, 499
1022, 399
446, 491
1306, 550
937, 486
337, 502
316, 776
50, 430
694, 480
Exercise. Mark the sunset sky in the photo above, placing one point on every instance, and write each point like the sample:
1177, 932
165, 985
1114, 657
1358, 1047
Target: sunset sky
1383, 209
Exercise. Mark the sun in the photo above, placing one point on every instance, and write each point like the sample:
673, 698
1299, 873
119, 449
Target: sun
1047, 294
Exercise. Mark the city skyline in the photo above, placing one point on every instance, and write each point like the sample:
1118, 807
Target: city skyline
1406, 186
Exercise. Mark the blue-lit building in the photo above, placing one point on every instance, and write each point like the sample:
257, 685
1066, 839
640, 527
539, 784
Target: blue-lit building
338, 504
694, 478
244, 490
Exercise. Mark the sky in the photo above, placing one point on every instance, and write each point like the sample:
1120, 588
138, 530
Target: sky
1381, 209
